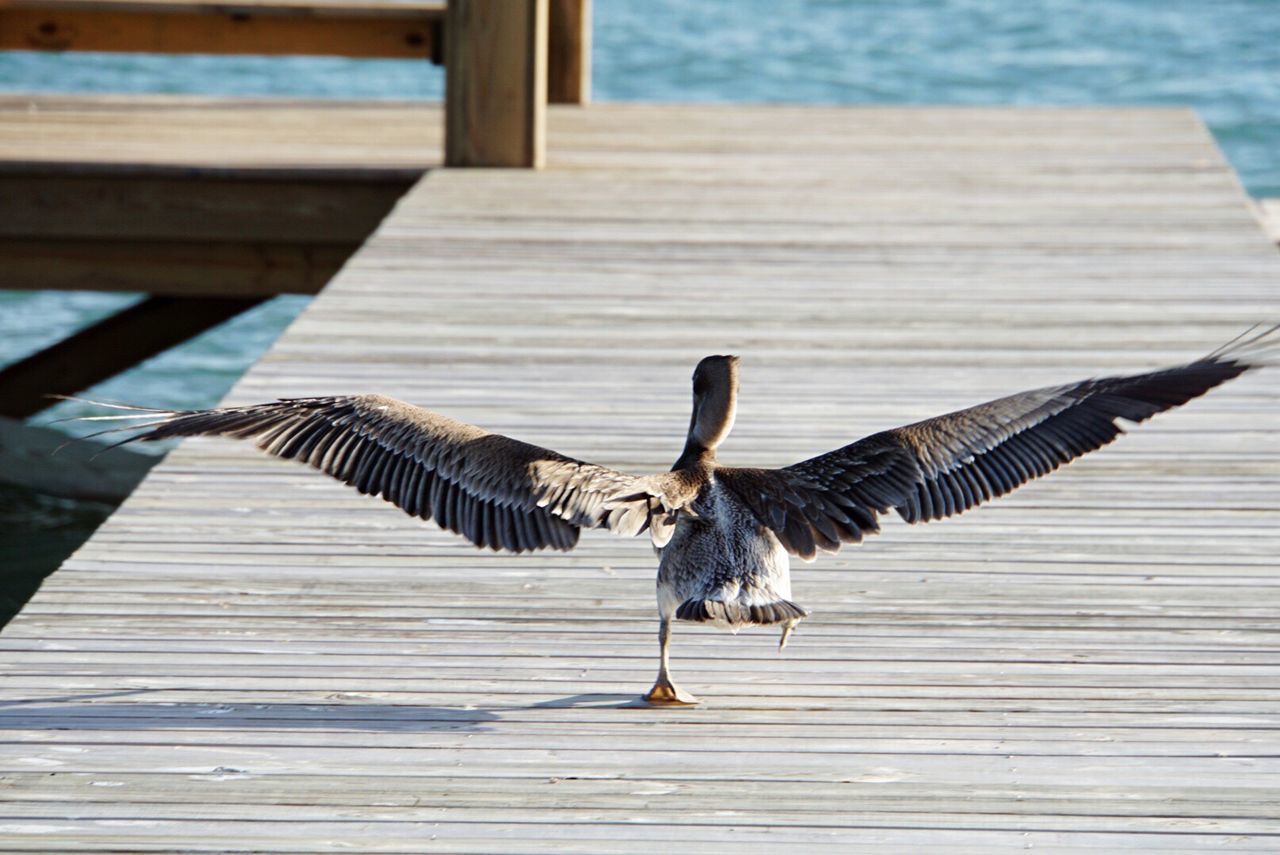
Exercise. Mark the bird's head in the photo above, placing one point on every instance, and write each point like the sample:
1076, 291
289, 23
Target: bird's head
715, 394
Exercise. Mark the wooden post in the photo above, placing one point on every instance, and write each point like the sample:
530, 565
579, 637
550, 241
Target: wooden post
495, 83
569, 52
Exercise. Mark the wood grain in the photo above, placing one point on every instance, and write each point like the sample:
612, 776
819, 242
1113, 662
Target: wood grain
248, 656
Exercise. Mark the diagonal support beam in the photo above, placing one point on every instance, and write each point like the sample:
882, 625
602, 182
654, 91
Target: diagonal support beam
110, 346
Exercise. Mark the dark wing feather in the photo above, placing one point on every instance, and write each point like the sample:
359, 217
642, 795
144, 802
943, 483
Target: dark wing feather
493, 490
945, 465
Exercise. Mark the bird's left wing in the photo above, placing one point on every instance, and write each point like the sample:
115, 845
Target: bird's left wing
945, 465
493, 490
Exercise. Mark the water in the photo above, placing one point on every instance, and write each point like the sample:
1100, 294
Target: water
1223, 58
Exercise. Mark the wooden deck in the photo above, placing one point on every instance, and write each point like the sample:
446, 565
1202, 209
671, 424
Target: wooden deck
248, 657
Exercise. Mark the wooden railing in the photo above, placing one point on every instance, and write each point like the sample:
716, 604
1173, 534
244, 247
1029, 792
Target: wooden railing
271, 27
504, 59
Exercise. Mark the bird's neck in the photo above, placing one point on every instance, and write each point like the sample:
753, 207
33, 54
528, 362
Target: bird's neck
695, 456
712, 419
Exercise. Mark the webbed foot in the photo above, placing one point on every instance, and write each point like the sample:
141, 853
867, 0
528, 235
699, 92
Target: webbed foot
666, 694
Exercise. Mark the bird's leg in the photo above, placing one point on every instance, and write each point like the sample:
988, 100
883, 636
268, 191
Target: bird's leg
665, 692
786, 633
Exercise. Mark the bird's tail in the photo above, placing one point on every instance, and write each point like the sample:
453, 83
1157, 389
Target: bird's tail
739, 614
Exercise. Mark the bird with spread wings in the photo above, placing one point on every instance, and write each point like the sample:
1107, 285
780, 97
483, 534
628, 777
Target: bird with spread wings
723, 534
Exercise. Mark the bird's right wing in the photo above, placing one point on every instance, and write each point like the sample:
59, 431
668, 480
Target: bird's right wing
495, 491
945, 465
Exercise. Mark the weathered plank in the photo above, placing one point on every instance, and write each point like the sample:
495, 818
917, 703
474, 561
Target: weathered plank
248, 655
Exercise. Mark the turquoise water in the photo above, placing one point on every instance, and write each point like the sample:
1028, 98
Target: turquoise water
1221, 57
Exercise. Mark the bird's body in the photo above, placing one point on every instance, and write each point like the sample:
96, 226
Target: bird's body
723, 534
722, 566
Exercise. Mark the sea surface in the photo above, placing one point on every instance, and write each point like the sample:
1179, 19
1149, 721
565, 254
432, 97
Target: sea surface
1221, 57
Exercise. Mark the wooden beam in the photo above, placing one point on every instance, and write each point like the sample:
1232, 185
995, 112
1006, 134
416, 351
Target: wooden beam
108, 347
496, 83
277, 28
45, 201
176, 268
569, 52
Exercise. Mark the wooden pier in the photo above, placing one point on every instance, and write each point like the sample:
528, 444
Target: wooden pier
248, 657
212, 205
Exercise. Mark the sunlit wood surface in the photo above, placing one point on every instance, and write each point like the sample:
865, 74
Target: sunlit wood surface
249, 657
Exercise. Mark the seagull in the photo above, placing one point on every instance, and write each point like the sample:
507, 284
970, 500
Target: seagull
723, 534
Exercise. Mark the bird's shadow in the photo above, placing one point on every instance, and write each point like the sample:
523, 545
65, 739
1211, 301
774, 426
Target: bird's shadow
594, 701
96, 713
